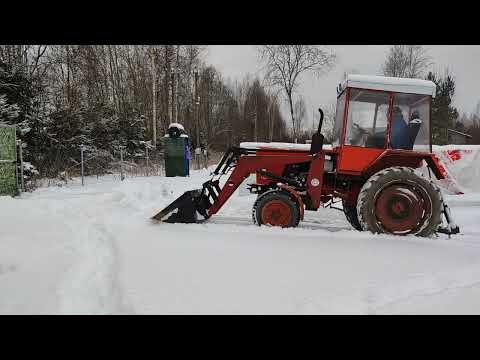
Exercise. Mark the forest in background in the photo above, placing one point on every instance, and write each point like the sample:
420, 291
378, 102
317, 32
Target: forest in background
108, 97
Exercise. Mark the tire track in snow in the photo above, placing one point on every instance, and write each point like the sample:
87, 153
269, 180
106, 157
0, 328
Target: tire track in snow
91, 285
422, 286
376, 298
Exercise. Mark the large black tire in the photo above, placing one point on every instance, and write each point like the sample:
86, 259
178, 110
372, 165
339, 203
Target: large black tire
351, 215
272, 202
399, 201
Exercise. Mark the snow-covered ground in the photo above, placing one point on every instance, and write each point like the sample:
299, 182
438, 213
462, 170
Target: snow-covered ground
93, 250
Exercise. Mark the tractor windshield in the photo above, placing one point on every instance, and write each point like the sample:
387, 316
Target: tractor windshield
367, 118
411, 122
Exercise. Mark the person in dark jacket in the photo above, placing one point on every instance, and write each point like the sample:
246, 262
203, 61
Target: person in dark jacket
399, 138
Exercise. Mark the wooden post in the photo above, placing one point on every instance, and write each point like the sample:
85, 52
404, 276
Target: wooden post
81, 159
146, 150
20, 154
122, 176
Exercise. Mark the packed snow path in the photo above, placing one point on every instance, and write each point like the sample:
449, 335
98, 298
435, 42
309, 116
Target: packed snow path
93, 250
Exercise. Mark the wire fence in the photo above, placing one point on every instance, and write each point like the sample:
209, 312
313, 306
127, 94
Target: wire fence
120, 165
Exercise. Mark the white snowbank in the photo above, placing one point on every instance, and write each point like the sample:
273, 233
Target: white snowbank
462, 167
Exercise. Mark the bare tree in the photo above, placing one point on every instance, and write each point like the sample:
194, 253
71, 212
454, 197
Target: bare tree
272, 111
300, 111
408, 61
328, 125
285, 63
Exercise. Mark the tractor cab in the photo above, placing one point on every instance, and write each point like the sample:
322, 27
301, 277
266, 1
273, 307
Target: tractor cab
375, 114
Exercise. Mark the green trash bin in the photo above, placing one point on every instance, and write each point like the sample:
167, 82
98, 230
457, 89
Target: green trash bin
8, 161
175, 157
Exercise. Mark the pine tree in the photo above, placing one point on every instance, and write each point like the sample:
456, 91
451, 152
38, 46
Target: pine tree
444, 114
8, 112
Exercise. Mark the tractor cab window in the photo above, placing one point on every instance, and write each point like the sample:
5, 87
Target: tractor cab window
367, 118
411, 122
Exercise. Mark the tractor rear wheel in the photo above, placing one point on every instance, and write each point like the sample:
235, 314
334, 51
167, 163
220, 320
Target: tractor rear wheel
351, 215
276, 208
398, 201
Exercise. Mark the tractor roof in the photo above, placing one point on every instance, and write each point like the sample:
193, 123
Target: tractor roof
402, 85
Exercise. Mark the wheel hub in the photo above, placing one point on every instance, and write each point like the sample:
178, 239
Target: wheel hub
400, 209
276, 213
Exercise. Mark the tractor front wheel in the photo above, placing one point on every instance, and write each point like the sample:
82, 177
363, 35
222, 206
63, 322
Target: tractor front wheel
398, 201
276, 208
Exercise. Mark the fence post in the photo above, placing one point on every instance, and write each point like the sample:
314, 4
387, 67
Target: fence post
122, 176
81, 159
198, 151
146, 148
20, 155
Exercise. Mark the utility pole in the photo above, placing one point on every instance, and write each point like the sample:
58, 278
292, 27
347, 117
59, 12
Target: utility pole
176, 84
172, 81
168, 78
154, 100
197, 116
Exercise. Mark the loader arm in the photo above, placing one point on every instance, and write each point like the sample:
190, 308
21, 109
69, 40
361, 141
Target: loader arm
246, 165
208, 200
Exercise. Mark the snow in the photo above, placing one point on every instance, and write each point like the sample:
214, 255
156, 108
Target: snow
411, 86
93, 250
462, 163
177, 125
278, 145
181, 135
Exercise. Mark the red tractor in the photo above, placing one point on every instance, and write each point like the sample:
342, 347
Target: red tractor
381, 135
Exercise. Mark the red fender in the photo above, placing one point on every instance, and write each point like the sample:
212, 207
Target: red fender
296, 196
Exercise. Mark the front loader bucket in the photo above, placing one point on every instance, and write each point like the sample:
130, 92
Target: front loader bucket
187, 207
183, 210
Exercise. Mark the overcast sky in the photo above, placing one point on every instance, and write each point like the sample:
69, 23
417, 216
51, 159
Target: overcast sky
235, 61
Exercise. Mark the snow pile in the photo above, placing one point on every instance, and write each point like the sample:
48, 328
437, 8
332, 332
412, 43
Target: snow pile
462, 167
